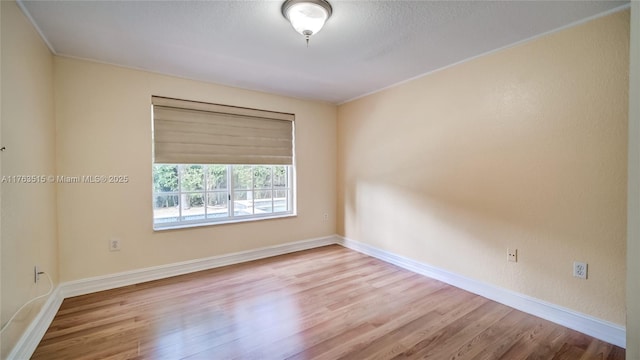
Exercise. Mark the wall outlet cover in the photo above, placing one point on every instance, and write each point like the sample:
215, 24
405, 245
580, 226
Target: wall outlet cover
114, 244
580, 269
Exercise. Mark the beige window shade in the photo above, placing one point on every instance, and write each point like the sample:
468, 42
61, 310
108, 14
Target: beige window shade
187, 132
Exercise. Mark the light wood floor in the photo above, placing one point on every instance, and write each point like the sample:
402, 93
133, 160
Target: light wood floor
326, 303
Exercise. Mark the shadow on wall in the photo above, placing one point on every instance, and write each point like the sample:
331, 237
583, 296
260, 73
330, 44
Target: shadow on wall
456, 194
523, 148
567, 189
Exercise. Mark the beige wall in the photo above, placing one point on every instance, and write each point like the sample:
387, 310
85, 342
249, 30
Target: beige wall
524, 148
633, 217
28, 131
104, 128
1, 318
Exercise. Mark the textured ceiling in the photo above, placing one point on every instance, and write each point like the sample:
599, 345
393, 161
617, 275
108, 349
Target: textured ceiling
364, 47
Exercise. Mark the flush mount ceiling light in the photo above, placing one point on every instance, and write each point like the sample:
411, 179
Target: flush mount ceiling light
307, 16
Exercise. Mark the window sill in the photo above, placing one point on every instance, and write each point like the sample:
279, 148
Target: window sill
222, 222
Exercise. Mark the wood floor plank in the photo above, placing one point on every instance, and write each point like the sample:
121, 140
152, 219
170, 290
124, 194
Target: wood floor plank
528, 342
456, 334
549, 345
335, 321
597, 350
324, 303
400, 316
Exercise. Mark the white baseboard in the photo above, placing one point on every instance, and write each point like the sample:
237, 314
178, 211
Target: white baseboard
28, 342
32, 336
112, 281
599, 329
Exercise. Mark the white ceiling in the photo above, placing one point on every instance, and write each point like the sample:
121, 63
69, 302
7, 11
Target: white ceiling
364, 47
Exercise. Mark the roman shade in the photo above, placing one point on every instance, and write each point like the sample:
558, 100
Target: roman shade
189, 132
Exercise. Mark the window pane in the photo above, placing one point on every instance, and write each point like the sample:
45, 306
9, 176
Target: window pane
280, 176
242, 177
263, 202
191, 193
192, 178
192, 207
217, 177
165, 178
165, 209
243, 203
217, 204
262, 177
280, 201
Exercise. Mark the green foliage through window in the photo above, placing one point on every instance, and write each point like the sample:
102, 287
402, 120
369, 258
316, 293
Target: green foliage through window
194, 193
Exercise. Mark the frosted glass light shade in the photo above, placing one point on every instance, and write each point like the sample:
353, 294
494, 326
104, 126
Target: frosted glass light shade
307, 16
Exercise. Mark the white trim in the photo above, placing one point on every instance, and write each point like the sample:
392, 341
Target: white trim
32, 336
231, 217
112, 281
575, 23
177, 225
599, 329
29, 341
27, 14
633, 191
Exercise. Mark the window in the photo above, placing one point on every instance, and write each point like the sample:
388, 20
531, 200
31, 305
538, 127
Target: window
216, 164
196, 194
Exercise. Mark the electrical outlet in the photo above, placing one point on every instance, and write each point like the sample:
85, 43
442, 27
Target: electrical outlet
114, 244
580, 269
36, 274
325, 217
512, 255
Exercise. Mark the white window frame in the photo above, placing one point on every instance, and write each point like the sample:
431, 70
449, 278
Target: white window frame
230, 191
